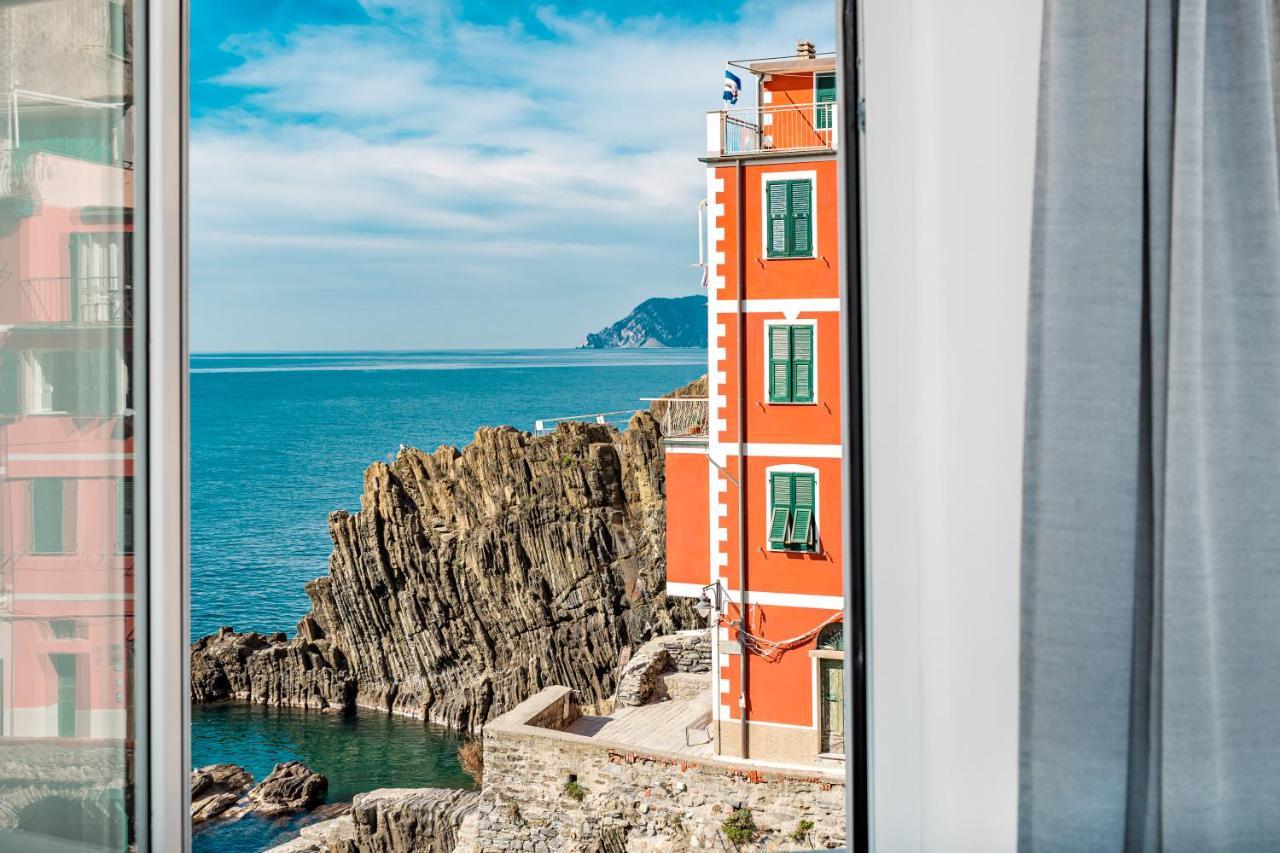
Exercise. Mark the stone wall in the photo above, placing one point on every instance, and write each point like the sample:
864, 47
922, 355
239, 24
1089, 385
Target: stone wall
634, 800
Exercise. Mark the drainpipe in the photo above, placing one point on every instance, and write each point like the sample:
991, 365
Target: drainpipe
742, 451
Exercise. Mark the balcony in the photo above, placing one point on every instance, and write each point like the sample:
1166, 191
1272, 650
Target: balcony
105, 300
772, 129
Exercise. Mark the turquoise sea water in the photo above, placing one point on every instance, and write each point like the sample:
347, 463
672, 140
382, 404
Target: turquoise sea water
278, 441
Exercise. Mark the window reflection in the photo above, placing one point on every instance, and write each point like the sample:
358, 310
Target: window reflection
66, 422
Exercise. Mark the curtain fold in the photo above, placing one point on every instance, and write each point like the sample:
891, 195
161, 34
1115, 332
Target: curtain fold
1150, 703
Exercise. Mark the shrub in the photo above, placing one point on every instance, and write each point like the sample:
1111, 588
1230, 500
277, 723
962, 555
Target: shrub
802, 830
471, 757
567, 461
739, 827
573, 790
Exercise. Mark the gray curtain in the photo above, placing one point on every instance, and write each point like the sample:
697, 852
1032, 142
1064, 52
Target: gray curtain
1150, 706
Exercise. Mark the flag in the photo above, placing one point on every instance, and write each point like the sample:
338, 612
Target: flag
732, 85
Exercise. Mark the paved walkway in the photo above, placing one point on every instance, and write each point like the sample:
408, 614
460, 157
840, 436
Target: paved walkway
658, 726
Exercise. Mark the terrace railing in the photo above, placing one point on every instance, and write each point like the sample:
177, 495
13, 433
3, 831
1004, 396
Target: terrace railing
680, 417
772, 128
85, 299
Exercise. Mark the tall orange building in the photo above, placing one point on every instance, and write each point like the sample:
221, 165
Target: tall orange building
754, 504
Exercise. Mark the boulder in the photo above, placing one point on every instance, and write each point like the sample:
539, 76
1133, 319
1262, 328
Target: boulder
290, 787
216, 788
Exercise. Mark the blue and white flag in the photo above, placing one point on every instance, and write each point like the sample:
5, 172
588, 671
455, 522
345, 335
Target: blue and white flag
732, 85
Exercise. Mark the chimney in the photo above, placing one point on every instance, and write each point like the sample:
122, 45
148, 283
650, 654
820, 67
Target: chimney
806, 50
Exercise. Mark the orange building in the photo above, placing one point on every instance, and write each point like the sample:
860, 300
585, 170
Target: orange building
754, 503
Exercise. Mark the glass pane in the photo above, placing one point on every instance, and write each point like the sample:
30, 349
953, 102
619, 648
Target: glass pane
67, 721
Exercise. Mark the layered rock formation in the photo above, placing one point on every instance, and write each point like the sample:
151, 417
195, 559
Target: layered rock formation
392, 820
657, 322
216, 788
470, 579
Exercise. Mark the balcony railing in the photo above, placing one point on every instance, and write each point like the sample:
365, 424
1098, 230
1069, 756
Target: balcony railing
84, 299
680, 417
772, 128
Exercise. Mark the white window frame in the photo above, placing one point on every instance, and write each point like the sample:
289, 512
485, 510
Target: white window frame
764, 390
791, 468
811, 175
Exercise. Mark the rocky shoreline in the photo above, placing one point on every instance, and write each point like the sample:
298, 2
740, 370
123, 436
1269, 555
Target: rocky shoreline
470, 579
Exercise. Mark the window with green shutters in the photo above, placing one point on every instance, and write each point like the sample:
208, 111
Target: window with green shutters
824, 97
790, 364
46, 515
789, 205
792, 502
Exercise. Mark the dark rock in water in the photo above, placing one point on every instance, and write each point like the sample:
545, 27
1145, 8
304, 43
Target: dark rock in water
290, 787
658, 322
470, 579
216, 788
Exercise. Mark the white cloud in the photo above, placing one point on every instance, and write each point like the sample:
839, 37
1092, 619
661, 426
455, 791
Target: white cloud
561, 163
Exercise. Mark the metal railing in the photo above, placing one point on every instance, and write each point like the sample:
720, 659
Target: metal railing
83, 299
546, 426
772, 127
679, 417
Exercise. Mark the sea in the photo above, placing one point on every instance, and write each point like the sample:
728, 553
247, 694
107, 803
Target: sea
280, 440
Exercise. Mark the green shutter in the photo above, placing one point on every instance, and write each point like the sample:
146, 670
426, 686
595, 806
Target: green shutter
10, 384
803, 500
778, 527
779, 364
63, 374
825, 86
115, 29
780, 500
801, 528
779, 220
801, 216
124, 516
46, 515
802, 364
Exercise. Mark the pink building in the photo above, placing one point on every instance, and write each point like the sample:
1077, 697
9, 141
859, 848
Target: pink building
66, 431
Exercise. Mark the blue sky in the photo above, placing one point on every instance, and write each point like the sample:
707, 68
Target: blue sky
422, 174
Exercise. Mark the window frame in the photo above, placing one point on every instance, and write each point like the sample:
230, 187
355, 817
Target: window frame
767, 178
818, 105
768, 398
792, 471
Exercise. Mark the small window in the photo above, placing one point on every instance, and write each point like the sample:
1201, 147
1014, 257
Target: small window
831, 638
789, 205
62, 629
790, 364
46, 515
792, 526
824, 97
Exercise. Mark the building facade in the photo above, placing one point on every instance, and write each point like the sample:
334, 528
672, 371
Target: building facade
754, 503
66, 347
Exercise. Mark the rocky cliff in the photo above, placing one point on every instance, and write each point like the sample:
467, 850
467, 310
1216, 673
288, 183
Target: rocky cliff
657, 322
470, 579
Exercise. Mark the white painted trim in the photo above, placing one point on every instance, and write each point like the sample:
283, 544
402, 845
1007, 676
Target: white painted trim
799, 175
699, 450
768, 373
789, 599
785, 307
799, 451
684, 590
